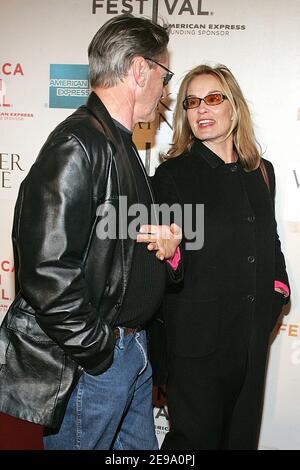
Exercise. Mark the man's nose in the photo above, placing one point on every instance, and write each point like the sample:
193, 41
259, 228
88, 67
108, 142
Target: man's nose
163, 93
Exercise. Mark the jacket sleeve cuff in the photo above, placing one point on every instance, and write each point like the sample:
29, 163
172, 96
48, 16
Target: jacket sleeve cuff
174, 261
284, 287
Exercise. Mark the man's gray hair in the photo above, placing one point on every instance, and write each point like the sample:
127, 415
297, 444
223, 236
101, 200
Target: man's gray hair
117, 42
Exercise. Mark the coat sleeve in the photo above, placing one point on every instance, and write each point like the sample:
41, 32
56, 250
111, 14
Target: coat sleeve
53, 222
165, 193
280, 266
164, 186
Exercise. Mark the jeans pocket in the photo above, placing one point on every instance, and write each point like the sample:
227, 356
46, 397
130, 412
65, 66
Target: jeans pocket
141, 342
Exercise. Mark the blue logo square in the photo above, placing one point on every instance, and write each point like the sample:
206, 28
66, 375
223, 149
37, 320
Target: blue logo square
69, 86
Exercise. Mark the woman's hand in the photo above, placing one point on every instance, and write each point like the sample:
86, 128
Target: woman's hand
162, 238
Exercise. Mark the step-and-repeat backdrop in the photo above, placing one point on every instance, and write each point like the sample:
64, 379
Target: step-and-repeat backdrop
43, 78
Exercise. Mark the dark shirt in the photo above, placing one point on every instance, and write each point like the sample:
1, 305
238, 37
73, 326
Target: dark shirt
147, 278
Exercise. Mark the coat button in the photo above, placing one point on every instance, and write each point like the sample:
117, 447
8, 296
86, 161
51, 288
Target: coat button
117, 305
251, 259
251, 219
250, 298
234, 168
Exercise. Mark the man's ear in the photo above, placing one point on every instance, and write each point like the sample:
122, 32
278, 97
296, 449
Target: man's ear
140, 70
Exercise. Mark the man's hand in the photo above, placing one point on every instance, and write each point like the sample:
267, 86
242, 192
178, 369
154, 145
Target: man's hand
162, 238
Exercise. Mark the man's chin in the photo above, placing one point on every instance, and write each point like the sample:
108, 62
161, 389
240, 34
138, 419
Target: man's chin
150, 118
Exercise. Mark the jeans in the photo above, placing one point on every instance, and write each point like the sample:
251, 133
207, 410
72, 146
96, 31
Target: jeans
112, 410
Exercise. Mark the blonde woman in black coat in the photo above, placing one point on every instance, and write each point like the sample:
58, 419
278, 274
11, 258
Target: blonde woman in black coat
219, 321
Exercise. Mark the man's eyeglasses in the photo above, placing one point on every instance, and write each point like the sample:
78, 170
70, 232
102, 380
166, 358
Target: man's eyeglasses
169, 75
212, 99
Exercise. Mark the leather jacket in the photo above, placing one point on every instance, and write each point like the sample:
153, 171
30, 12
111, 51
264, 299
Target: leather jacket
71, 284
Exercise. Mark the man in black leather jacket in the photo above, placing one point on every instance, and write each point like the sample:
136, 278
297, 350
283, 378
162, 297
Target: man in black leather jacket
73, 351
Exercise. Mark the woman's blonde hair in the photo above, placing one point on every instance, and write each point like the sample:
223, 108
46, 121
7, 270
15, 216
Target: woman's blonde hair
241, 128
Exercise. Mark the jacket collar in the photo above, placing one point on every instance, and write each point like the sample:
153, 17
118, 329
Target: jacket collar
125, 177
198, 148
124, 171
95, 105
